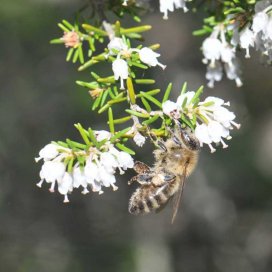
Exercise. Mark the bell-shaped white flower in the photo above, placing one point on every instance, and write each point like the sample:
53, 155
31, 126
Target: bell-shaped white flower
49, 152
120, 70
212, 48
185, 97
79, 179
125, 160
116, 44
139, 139
171, 109
149, 57
170, 5
260, 21
109, 162
247, 39
91, 171
214, 73
102, 135
202, 134
51, 172
106, 178
233, 73
65, 186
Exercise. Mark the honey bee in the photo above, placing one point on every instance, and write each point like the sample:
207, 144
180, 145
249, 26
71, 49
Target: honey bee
175, 159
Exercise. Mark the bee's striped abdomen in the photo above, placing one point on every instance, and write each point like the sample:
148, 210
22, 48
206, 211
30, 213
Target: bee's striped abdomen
150, 198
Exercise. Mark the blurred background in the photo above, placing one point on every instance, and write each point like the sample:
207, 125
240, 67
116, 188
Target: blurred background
225, 221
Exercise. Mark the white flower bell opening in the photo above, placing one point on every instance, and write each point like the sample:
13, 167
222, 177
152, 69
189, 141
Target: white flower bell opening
149, 57
120, 70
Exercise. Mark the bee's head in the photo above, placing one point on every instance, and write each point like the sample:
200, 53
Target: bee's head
188, 138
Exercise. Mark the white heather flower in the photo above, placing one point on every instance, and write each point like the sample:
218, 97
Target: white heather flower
170, 108
125, 160
91, 171
65, 186
214, 73
116, 44
102, 135
149, 57
125, 2
79, 179
202, 134
109, 162
49, 152
106, 178
212, 48
246, 40
260, 21
51, 172
218, 122
227, 53
188, 96
170, 5
139, 139
120, 70
233, 73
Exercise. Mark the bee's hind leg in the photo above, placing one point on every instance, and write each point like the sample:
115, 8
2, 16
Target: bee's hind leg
143, 179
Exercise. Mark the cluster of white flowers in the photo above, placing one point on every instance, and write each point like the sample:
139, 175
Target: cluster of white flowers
120, 66
214, 121
259, 33
98, 171
170, 5
219, 55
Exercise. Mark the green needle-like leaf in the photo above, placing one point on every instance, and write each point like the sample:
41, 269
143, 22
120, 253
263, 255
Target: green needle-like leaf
184, 88
80, 53
167, 92
69, 54
65, 29
68, 25
70, 165
125, 149
151, 120
145, 81
94, 29
138, 114
75, 57
152, 99
197, 94
131, 92
122, 120
92, 136
137, 29
111, 123
119, 134
83, 134
146, 104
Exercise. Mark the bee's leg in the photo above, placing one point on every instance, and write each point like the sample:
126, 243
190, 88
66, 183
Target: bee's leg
189, 139
161, 145
140, 167
163, 178
143, 179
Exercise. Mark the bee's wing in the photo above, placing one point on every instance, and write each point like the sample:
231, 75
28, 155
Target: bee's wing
140, 167
177, 196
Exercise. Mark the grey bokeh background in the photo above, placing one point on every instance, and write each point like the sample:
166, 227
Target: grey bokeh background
225, 222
